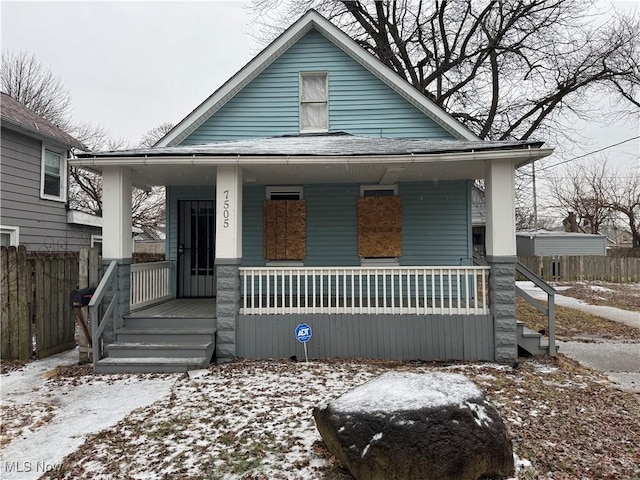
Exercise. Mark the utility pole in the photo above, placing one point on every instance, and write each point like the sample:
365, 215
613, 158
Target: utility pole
535, 196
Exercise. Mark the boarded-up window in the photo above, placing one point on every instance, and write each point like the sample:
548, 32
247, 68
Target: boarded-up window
379, 227
285, 229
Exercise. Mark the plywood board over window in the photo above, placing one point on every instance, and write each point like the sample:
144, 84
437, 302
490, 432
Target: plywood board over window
379, 227
285, 226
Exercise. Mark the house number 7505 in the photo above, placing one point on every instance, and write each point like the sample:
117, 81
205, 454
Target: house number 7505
226, 210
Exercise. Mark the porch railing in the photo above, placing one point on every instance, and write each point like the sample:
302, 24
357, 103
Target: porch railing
150, 283
549, 310
365, 290
107, 285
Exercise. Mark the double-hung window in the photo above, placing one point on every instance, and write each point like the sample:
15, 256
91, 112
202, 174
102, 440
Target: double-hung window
313, 102
53, 177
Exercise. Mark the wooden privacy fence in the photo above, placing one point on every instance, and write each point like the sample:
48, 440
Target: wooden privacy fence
587, 267
36, 318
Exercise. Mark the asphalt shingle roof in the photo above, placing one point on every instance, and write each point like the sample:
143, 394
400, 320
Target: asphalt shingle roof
334, 144
14, 113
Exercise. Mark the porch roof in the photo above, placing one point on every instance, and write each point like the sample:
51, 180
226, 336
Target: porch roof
324, 158
337, 144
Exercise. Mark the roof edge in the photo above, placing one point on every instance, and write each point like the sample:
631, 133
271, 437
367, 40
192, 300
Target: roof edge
312, 19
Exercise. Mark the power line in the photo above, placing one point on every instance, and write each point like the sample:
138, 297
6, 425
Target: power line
589, 153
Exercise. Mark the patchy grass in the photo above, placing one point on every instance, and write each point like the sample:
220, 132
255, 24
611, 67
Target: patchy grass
252, 420
575, 325
620, 295
7, 366
18, 420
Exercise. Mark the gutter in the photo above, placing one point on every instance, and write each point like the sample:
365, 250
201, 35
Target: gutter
522, 157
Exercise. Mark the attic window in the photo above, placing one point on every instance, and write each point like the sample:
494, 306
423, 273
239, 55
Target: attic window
313, 102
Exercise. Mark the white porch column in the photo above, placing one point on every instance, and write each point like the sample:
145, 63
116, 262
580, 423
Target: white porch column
116, 240
229, 213
116, 213
500, 240
228, 257
499, 180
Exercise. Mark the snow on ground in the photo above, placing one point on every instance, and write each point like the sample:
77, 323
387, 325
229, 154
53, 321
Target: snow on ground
42, 423
253, 420
616, 314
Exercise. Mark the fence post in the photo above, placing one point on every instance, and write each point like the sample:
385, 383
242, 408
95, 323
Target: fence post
84, 350
24, 326
5, 320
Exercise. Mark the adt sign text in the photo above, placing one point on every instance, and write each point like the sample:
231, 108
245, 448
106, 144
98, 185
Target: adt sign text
303, 333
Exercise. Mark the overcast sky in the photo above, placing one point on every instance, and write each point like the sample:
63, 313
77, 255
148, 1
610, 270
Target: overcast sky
130, 66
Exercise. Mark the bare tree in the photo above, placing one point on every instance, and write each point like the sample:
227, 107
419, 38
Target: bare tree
581, 190
150, 138
622, 194
147, 204
506, 69
23, 78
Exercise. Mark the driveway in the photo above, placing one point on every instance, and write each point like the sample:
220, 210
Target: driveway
620, 361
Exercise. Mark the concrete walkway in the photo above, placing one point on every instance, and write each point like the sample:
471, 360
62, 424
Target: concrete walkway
76, 409
620, 361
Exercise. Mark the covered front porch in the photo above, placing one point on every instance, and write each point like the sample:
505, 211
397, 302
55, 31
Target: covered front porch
429, 301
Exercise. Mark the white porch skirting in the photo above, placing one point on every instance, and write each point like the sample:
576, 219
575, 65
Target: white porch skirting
364, 290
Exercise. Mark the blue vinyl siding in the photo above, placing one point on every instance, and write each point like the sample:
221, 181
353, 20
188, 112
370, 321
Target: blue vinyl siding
332, 225
359, 103
252, 226
435, 224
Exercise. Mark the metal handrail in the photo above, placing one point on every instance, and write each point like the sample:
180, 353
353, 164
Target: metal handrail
549, 310
107, 282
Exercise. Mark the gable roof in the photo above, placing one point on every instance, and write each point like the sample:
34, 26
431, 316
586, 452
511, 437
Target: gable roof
18, 117
313, 20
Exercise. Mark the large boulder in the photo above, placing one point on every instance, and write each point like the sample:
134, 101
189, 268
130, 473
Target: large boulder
405, 425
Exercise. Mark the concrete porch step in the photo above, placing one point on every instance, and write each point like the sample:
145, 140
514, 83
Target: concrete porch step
150, 364
165, 335
529, 340
168, 321
173, 350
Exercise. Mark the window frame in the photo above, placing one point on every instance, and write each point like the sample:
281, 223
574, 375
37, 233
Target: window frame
270, 192
365, 188
325, 74
379, 261
63, 174
13, 232
284, 190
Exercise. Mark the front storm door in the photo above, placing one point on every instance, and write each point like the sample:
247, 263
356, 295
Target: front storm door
196, 242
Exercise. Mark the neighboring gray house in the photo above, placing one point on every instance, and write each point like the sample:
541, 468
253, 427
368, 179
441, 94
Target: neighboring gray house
545, 243
34, 185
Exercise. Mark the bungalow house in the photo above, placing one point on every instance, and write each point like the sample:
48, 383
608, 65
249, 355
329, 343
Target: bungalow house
315, 186
34, 184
